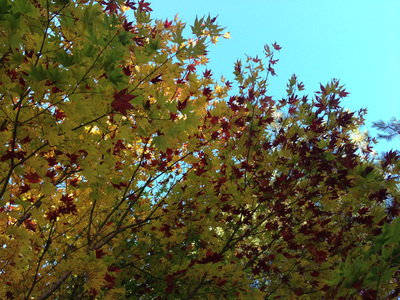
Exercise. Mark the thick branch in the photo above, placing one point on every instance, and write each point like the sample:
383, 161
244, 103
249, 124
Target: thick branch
54, 287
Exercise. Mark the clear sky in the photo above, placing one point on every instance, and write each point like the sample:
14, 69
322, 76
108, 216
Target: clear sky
356, 41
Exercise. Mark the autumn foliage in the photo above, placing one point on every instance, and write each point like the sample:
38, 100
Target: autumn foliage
128, 171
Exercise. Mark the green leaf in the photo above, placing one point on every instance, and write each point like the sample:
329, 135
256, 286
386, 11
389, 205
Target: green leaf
65, 59
4, 9
22, 6
37, 73
198, 28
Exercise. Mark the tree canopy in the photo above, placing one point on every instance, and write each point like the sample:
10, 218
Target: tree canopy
128, 171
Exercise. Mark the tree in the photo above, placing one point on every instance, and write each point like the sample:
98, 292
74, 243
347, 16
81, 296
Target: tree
391, 129
127, 172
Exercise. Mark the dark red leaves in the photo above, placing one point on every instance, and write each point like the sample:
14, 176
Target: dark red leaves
156, 79
165, 228
207, 73
121, 101
144, 6
111, 6
389, 158
52, 215
32, 177
211, 257
68, 207
30, 225
59, 114
207, 91
167, 24
51, 174
130, 4
24, 188
191, 68
173, 116
127, 26
10, 154
345, 119
120, 185
182, 104
343, 93
276, 46
25, 140
119, 145
126, 70
55, 90
99, 253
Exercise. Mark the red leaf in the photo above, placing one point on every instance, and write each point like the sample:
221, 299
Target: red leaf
130, 4
30, 225
207, 73
191, 68
16, 154
52, 215
126, 70
99, 253
74, 182
343, 93
182, 105
51, 174
276, 46
127, 26
69, 206
345, 119
119, 145
67, 199
32, 177
110, 281
114, 269
24, 188
211, 257
167, 24
173, 116
144, 6
25, 140
111, 6
119, 185
121, 101
156, 79
59, 114
55, 90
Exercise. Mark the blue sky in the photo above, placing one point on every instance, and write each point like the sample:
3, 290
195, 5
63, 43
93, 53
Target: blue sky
355, 41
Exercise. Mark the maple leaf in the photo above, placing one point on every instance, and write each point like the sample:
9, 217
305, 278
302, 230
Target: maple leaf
121, 101
52, 215
130, 4
343, 93
127, 25
144, 6
207, 73
251, 185
110, 280
24, 188
167, 24
191, 68
276, 46
59, 114
345, 119
207, 91
111, 6
156, 79
182, 104
32, 177
99, 253
30, 225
